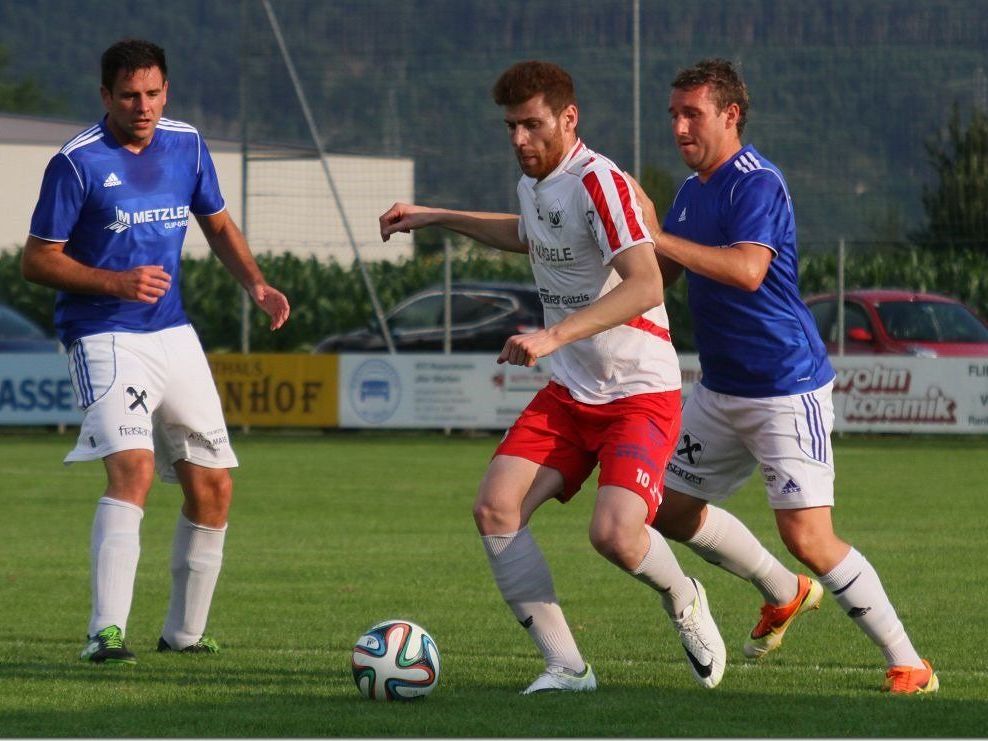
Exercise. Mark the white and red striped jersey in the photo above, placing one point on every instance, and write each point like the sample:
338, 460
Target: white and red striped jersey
574, 222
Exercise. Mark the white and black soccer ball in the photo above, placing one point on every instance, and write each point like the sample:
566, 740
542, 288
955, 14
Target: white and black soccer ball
395, 660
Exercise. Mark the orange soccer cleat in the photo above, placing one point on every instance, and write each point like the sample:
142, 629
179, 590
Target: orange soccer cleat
909, 680
767, 634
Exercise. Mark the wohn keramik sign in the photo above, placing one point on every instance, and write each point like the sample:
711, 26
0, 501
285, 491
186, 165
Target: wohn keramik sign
470, 391
893, 394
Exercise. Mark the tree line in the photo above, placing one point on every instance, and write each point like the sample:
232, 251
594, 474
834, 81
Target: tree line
328, 298
844, 92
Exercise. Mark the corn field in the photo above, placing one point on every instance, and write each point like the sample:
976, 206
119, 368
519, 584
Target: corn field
327, 298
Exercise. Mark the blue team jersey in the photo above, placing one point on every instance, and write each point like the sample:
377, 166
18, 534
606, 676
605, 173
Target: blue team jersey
752, 344
117, 210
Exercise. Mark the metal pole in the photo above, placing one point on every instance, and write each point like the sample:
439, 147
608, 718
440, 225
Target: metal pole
447, 304
244, 297
840, 296
61, 425
447, 296
245, 300
636, 85
314, 133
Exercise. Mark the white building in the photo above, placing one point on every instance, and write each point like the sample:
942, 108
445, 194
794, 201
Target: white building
290, 207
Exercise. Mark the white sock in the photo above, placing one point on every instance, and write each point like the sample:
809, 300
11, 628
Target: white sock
724, 541
197, 554
522, 575
115, 547
858, 590
661, 571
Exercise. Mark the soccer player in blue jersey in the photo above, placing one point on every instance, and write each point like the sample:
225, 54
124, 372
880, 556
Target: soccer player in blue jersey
107, 232
765, 394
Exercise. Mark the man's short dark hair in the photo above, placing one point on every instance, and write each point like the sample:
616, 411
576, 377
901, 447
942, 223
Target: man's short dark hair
524, 80
726, 85
131, 55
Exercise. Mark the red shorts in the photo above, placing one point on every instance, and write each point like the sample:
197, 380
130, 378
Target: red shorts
632, 439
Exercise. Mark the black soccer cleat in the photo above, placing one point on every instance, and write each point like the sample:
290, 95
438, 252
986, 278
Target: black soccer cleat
107, 647
204, 645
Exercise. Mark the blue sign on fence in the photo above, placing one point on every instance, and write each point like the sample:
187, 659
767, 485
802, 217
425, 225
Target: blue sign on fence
35, 390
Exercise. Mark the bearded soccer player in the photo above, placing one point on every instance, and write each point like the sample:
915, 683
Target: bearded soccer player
614, 395
765, 394
107, 232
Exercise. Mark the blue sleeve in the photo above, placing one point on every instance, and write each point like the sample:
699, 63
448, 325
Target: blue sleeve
206, 199
60, 201
672, 215
760, 210
668, 221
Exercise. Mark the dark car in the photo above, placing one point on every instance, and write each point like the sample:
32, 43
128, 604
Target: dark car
484, 315
20, 334
890, 322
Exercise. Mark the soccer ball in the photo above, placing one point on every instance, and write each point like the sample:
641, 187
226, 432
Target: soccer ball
395, 660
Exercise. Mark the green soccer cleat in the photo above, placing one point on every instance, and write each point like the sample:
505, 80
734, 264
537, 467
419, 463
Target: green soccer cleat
107, 647
204, 645
776, 619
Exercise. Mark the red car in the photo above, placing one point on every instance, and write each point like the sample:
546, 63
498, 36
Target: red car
890, 322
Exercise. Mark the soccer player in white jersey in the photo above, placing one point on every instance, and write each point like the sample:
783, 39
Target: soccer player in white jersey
615, 389
107, 232
765, 393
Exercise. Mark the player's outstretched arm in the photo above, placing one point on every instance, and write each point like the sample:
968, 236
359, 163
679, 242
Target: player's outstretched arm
46, 263
497, 230
228, 242
742, 265
640, 290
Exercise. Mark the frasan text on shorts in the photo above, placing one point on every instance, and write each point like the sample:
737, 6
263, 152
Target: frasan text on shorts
684, 475
131, 431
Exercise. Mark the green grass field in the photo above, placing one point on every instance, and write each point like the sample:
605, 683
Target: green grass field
331, 533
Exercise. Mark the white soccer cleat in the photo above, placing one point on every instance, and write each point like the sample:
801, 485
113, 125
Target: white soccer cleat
704, 646
559, 679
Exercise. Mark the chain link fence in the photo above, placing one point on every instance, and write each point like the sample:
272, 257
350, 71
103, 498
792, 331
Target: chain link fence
844, 95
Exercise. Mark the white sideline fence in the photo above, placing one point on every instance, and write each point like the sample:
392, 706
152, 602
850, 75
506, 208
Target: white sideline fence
872, 394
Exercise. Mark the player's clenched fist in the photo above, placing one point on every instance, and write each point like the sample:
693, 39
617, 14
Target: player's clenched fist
525, 349
403, 217
145, 283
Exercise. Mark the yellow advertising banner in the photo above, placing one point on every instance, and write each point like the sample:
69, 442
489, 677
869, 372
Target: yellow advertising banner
274, 390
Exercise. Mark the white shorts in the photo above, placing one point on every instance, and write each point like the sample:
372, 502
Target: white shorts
151, 391
723, 437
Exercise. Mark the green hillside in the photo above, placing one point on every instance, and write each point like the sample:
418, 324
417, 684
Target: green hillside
844, 93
